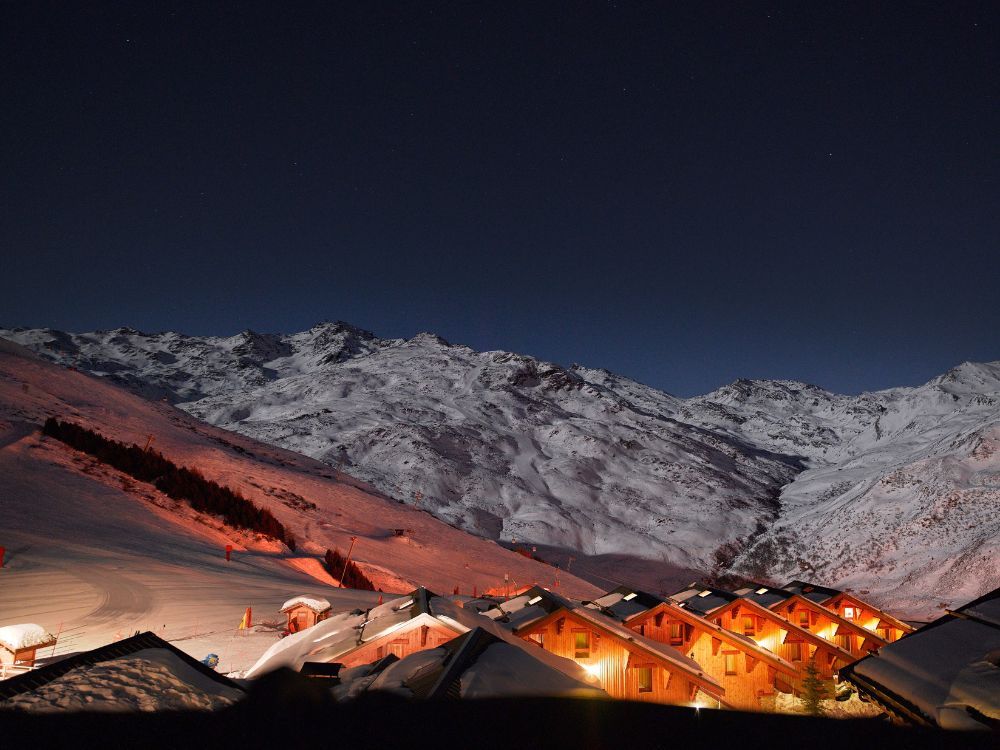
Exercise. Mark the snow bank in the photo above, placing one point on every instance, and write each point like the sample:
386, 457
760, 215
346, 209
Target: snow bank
148, 680
26, 635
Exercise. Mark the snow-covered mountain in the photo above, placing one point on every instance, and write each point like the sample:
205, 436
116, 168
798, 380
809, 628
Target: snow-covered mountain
93, 555
896, 492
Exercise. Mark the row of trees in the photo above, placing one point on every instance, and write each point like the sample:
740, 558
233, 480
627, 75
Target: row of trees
353, 578
177, 482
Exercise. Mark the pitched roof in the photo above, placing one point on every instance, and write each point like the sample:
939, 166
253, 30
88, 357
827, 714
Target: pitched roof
701, 598
41, 676
624, 602
529, 607
946, 673
811, 590
763, 594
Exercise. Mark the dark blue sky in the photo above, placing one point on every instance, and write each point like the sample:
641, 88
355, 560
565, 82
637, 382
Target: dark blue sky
684, 195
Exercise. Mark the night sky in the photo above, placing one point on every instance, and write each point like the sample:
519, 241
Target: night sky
685, 194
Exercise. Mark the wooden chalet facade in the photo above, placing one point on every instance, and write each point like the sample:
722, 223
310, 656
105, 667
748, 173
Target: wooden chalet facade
849, 635
796, 645
628, 665
852, 607
750, 674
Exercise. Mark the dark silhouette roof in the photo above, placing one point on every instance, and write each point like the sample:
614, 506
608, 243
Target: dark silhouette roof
36, 678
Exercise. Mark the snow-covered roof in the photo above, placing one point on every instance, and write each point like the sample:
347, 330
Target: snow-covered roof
314, 603
26, 635
147, 680
331, 639
942, 670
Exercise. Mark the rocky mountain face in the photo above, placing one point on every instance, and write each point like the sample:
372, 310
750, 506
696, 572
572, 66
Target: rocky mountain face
895, 492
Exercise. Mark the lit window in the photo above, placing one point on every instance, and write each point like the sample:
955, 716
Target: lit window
730, 662
849, 613
629, 597
581, 644
534, 600
645, 675
761, 590
704, 593
749, 627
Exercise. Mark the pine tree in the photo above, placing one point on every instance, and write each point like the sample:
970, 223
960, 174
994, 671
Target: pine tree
813, 690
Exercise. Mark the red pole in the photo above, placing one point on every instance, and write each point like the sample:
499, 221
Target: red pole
2, 551
229, 551
347, 561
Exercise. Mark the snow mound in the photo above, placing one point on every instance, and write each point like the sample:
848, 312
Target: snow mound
148, 680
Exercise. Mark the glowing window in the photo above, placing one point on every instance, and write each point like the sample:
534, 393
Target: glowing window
534, 600
581, 644
645, 675
849, 613
730, 662
704, 593
629, 597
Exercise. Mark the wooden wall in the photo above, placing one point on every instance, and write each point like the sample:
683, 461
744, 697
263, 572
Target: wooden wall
753, 682
401, 643
616, 667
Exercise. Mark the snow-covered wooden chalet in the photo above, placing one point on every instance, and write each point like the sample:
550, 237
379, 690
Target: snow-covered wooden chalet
399, 627
304, 612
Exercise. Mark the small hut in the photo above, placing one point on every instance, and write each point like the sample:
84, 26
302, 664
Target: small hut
304, 612
18, 644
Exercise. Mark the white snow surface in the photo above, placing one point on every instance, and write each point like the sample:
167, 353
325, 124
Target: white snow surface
509, 670
24, 635
895, 493
148, 680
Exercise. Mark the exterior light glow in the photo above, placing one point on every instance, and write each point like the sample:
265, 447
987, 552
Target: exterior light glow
762, 590
704, 593
534, 600
629, 597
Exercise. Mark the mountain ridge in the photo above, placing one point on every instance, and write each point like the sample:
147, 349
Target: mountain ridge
511, 447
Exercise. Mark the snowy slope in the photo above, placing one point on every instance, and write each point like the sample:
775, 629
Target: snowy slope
93, 556
499, 444
581, 459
